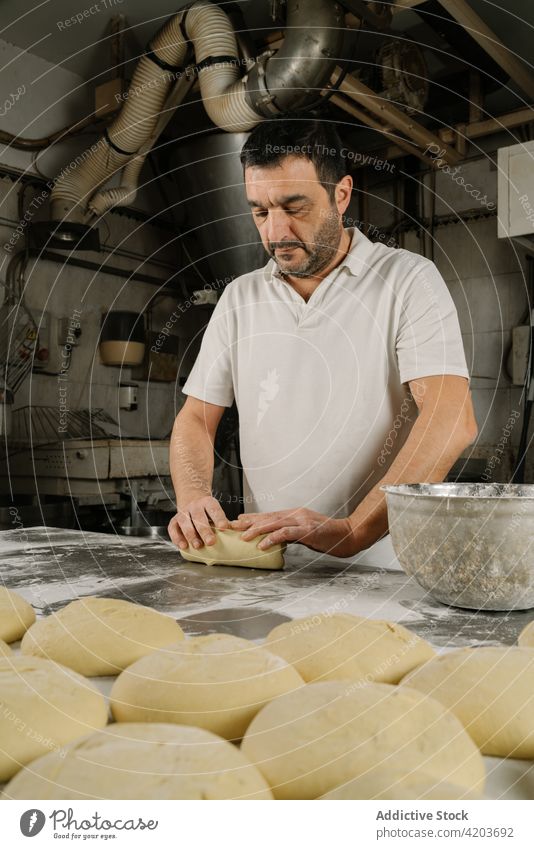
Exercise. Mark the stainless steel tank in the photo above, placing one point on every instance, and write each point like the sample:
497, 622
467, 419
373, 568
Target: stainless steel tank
216, 217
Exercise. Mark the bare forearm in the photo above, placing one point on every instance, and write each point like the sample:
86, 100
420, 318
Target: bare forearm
428, 454
191, 460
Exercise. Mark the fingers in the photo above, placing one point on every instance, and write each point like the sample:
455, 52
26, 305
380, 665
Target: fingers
263, 528
240, 524
188, 529
176, 534
288, 534
217, 514
203, 528
259, 523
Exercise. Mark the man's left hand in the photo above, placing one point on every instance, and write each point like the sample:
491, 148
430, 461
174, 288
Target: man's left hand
318, 532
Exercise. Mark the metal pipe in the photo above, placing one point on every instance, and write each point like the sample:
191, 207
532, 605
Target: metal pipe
21, 143
96, 266
293, 77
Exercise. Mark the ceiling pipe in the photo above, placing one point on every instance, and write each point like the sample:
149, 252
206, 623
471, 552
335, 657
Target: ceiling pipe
291, 78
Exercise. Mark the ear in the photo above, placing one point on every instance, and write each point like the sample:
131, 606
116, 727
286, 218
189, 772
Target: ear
343, 193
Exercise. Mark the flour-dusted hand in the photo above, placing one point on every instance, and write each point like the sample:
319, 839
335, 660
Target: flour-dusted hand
312, 529
193, 523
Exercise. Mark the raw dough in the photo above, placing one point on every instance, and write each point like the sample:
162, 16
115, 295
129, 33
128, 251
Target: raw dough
386, 783
526, 637
4, 648
100, 636
16, 615
42, 706
324, 734
333, 646
491, 691
218, 682
141, 761
231, 550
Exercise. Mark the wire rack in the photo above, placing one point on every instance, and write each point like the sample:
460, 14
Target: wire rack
18, 339
41, 426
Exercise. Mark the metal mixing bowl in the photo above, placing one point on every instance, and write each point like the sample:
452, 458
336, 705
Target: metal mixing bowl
468, 544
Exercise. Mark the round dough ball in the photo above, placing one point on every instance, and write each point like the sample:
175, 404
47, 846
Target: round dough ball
16, 615
386, 783
4, 649
308, 742
526, 637
100, 636
218, 682
143, 761
329, 647
491, 691
42, 706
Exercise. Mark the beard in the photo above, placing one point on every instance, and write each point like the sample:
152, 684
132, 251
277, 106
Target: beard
318, 254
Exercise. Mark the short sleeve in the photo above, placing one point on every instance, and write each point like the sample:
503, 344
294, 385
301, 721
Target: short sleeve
210, 378
429, 340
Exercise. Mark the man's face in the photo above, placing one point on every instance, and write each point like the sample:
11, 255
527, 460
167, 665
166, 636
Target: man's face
300, 226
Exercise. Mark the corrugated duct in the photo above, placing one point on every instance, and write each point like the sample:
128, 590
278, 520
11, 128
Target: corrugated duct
234, 103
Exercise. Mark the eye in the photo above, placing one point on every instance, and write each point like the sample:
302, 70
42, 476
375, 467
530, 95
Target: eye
260, 213
293, 210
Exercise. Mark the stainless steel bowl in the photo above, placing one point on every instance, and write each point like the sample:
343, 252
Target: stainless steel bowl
468, 544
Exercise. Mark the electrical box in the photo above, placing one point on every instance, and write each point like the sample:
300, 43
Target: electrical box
68, 332
515, 190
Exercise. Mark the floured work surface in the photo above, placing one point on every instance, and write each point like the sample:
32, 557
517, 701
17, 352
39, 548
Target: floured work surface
51, 566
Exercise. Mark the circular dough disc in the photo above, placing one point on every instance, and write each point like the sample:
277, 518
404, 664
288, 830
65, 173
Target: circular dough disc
142, 761
218, 682
526, 637
16, 615
43, 706
491, 691
338, 646
100, 636
386, 783
308, 742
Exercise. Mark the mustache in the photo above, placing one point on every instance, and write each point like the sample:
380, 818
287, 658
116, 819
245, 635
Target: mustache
288, 244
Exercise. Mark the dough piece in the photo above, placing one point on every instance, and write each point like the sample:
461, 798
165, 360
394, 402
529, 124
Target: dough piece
386, 783
526, 637
218, 682
491, 691
337, 646
42, 706
16, 615
4, 649
231, 550
100, 636
308, 742
142, 761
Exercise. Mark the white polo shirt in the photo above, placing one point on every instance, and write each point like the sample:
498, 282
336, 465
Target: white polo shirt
320, 385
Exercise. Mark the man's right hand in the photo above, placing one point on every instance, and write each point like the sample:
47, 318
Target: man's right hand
191, 525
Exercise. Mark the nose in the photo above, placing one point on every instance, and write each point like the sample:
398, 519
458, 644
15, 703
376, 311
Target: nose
278, 226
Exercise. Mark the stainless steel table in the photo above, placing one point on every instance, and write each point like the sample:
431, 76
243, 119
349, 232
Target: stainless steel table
52, 566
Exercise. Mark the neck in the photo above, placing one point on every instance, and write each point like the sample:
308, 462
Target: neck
305, 286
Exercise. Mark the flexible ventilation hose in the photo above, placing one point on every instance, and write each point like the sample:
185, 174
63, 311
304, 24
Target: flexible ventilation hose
229, 102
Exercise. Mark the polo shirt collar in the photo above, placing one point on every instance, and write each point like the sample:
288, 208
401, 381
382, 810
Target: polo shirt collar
354, 261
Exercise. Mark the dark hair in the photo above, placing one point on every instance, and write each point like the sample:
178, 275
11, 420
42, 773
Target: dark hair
318, 141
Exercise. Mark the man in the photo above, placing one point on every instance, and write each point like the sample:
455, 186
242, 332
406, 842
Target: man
344, 357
